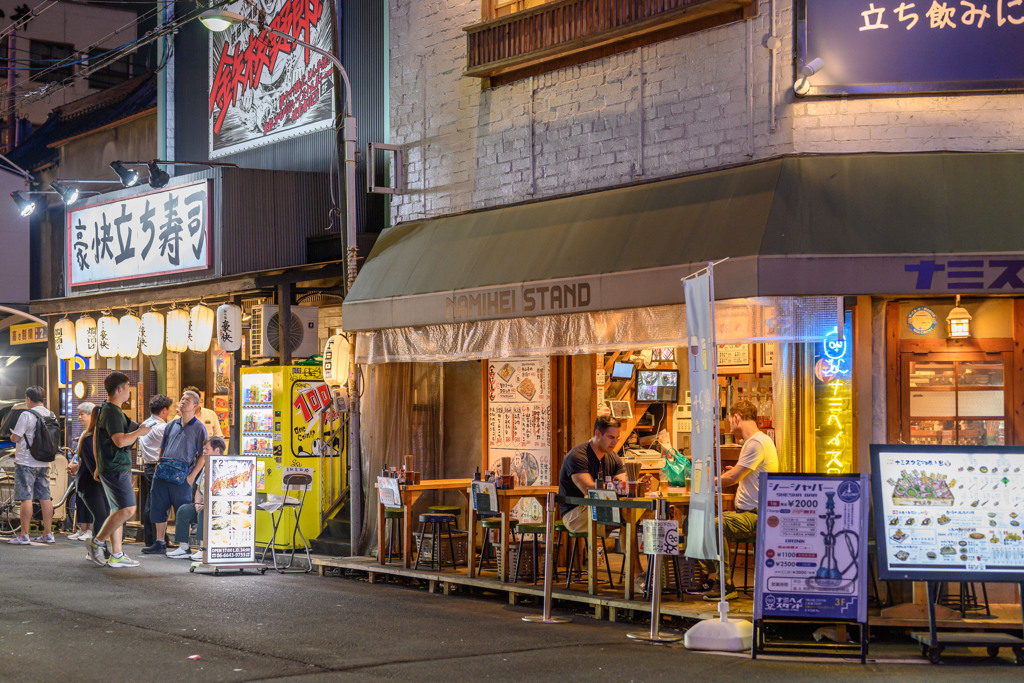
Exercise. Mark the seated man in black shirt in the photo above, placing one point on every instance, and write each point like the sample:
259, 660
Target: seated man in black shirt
586, 465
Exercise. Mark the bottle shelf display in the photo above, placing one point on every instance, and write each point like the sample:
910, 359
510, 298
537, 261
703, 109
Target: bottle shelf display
257, 414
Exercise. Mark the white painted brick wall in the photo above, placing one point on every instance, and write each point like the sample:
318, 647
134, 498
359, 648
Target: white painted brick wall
579, 128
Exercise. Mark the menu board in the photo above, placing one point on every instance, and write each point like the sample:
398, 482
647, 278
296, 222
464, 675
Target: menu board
231, 519
951, 513
519, 424
812, 537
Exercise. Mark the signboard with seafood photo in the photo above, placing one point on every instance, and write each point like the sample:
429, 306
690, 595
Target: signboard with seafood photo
519, 423
949, 512
231, 521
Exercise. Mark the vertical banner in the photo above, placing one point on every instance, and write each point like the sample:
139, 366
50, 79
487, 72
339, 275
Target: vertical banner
264, 88
519, 424
701, 543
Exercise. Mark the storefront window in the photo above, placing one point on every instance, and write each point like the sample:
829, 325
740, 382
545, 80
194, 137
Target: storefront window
957, 403
501, 8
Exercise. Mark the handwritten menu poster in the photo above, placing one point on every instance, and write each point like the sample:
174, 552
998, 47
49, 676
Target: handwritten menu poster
949, 511
519, 424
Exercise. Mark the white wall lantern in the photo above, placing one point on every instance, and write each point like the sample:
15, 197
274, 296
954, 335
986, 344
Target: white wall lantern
128, 328
200, 320
64, 339
85, 336
229, 327
107, 336
177, 330
151, 336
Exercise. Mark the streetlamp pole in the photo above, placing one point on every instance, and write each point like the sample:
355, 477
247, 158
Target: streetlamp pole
220, 19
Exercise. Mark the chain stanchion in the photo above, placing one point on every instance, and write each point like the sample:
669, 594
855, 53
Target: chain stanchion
655, 635
549, 565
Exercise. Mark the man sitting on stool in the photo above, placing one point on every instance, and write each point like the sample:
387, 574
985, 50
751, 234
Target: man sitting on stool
758, 455
586, 465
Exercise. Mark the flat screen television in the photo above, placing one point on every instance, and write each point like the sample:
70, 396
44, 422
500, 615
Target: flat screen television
622, 370
657, 386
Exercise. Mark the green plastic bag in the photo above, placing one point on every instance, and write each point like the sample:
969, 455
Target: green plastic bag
677, 468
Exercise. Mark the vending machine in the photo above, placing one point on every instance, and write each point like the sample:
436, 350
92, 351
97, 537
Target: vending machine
289, 422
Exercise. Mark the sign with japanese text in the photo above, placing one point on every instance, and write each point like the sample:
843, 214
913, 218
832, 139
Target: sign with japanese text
142, 236
231, 521
812, 547
660, 537
833, 401
265, 88
519, 423
313, 412
28, 333
949, 513
877, 46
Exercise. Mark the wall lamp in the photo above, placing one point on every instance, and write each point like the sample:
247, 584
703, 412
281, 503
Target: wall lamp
958, 322
158, 177
802, 85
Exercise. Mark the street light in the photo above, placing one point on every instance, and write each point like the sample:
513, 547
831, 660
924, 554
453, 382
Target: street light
220, 19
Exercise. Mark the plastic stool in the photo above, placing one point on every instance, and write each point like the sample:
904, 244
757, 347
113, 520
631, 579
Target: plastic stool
535, 530
493, 524
436, 521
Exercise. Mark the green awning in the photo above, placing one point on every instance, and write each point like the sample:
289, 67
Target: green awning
814, 225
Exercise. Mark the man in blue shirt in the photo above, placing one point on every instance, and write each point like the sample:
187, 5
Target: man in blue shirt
181, 450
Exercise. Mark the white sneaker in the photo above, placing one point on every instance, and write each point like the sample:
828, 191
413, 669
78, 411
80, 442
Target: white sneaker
94, 552
182, 552
197, 556
86, 535
123, 561
19, 540
75, 536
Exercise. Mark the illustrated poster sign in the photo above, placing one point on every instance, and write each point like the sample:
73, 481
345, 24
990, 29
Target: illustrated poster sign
812, 541
231, 522
149, 234
949, 512
519, 424
264, 88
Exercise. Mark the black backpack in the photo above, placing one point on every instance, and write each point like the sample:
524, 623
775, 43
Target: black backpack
46, 440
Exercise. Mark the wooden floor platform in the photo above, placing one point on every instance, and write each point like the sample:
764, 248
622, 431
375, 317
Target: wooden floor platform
609, 603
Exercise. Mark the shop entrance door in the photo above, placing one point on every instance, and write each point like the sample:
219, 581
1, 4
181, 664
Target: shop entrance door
956, 399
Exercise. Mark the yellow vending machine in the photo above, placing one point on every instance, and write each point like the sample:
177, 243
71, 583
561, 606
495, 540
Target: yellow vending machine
289, 422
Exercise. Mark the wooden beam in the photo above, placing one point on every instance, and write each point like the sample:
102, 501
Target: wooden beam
892, 371
123, 298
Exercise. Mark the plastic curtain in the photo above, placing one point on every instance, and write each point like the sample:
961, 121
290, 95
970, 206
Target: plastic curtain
401, 415
793, 319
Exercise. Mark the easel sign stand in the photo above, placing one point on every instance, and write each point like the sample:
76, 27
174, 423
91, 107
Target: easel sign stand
722, 634
229, 528
812, 541
950, 514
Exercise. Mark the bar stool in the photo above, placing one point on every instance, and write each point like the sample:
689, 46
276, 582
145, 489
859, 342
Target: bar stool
276, 505
534, 530
493, 524
392, 519
446, 510
966, 600
574, 538
749, 547
436, 521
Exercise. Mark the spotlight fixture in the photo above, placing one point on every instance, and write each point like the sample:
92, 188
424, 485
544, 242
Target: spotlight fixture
129, 177
802, 85
26, 205
69, 193
158, 177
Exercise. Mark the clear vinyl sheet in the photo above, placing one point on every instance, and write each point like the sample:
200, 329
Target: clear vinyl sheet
775, 319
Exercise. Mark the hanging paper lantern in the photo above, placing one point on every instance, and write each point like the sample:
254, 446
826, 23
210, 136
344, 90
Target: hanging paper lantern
177, 330
85, 336
107, 336
336, 355
151, 335
64, 339
128, 335
229, 327
200, 327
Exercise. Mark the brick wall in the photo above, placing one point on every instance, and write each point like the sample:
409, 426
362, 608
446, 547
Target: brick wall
688, 104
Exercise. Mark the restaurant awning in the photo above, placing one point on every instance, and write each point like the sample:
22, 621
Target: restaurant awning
795, 226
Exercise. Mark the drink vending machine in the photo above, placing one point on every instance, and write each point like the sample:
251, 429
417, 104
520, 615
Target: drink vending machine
288, 421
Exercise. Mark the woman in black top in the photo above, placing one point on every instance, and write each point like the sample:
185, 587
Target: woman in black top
90, 491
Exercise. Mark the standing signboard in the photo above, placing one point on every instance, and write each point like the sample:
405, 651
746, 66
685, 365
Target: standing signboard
519, 424
812, 538
230, 519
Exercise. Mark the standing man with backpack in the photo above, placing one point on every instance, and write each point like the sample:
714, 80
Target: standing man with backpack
36, 437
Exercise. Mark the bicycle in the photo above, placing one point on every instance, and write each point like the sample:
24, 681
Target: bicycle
10, 519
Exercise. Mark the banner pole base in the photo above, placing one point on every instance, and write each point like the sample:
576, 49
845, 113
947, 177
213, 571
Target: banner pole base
541, 619
660, 637
731, 635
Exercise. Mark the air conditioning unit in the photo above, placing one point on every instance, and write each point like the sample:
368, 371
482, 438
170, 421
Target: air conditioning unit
265, 332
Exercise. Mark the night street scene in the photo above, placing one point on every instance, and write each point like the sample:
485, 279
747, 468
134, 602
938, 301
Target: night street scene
511, 340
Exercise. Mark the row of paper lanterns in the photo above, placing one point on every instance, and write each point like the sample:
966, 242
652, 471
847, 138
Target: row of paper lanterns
182, 329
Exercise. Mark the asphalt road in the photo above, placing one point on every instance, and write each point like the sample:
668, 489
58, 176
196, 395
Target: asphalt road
62, 617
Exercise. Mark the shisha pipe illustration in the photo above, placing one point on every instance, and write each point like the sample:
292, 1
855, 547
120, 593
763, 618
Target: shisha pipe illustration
829, 570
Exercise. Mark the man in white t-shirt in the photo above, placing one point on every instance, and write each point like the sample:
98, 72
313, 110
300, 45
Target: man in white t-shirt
31, 477
757, 455
149, 450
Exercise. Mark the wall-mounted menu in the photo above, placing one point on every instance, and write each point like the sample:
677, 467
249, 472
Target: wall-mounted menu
519, 423
949, 512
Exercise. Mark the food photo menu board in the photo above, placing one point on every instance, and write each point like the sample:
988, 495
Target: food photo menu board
949, 512
231, 515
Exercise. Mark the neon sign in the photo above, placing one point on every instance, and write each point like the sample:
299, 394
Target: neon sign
833, 401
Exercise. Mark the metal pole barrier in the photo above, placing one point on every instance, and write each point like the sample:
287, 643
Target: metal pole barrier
549, 565
656, 636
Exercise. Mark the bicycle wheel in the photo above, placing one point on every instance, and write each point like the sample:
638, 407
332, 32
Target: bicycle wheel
10, 521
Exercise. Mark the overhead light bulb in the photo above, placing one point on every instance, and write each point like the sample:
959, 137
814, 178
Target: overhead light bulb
69, 193
158, 177
26, 205
129, 177
218, 20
